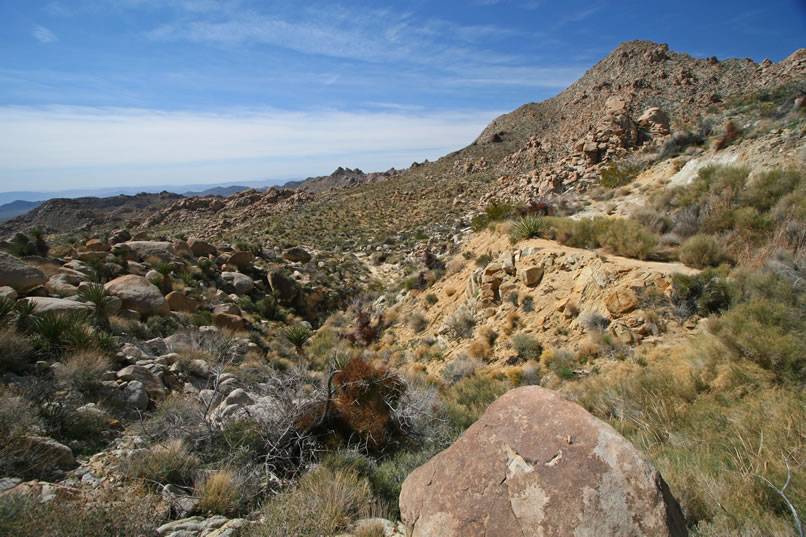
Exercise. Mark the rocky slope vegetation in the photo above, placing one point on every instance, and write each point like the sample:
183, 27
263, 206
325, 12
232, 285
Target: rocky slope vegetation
618, 271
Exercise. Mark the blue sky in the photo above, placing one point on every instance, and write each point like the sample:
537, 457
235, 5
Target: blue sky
140, 92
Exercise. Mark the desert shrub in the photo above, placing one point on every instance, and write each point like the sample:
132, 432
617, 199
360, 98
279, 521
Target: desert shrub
767, 333
628, 238
732, 133
529, 226
321, 345
460, 324
16, 351
527, 347
497, 210
162, 325
528, 303
364, 404
616, 175
324, 502
369, 528
465, 401
480, 348
460, 368
479, 222
561, 362
702, 251
82, 371
768, 188
386, 477
297, 335
652, 220
417, 321
679, 142
268, 308
701, 294
128, 512
431, 299
170, 462
594, 322
622, 237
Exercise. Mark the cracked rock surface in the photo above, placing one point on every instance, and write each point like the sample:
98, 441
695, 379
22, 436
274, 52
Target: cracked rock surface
538, 465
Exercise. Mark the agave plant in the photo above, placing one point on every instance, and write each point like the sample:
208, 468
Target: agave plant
528, 227
6, 307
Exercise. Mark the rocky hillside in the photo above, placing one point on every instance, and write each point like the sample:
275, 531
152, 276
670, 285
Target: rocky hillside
343, 178
589, 320
85, 214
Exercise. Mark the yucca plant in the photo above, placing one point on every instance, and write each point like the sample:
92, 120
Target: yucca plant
528, 227
6, 307
97, 295
165, 270
23, 312
56, 332
297, 335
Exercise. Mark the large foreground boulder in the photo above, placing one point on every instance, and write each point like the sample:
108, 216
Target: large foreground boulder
139, 294
538, 465
17, 274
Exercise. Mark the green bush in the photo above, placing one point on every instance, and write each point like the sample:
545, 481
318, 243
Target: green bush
702, 251
616, 175
703, 294
527, 347
386, 478
497, 211
465, 401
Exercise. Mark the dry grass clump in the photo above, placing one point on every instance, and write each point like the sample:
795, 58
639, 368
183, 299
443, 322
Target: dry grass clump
170, 462
218, 492
132, 511
479, 349
16, 351
527, 347
324, 502
82, 371
417, 321
460, 324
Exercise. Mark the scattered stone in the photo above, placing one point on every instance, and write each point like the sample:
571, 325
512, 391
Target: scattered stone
230, 322
96, 245
152, 383
135, 395
531, 276
296, 255
240, 259
8, 293
537, 464
181, 302
201, 248
240, 283
138, 294
46, 454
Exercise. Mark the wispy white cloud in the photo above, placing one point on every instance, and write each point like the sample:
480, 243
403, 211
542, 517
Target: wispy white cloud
43, 35
38, 139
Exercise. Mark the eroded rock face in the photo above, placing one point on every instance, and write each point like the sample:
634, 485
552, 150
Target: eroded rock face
538, 465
